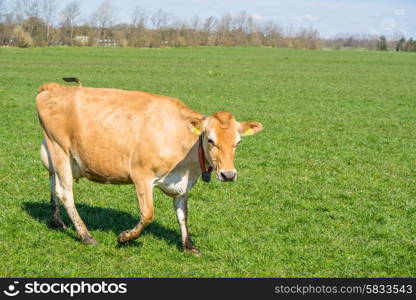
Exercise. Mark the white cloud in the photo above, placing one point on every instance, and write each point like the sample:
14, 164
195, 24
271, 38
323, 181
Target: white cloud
400, 12
388, 23
257, 17
305, 18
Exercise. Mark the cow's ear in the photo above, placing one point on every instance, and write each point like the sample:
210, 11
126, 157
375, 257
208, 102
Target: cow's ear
196, 125
250, 128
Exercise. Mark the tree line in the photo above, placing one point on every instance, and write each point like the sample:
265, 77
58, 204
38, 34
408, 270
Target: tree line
373, 42
27, 23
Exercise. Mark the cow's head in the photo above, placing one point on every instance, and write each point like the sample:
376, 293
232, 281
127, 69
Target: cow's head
221, 134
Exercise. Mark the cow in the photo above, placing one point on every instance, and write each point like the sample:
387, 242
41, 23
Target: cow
132, 137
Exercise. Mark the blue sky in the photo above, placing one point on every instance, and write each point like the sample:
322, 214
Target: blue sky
328, 16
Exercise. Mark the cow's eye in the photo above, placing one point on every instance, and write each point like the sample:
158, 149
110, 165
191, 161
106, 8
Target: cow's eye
211, 142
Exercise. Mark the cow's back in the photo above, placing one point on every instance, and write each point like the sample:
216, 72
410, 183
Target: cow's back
108, 132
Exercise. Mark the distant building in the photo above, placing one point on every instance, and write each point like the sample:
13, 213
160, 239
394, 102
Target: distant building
107, 42
81, 40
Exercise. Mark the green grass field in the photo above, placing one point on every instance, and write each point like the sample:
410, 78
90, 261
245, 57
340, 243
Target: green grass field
326, 190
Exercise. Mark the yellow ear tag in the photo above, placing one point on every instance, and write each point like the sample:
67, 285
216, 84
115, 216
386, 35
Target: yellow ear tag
196, 131
249, 131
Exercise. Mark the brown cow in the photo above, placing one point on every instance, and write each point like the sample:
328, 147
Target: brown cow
122, 137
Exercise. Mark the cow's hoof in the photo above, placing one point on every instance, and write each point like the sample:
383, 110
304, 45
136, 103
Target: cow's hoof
58, 224
124, 237
89, 241
194, 251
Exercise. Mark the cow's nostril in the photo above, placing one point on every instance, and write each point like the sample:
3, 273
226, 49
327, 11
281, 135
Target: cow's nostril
223, 175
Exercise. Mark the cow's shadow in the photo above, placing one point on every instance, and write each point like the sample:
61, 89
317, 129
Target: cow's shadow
103, 219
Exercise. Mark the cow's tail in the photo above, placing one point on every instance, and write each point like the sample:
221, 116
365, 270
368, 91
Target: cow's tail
72, 79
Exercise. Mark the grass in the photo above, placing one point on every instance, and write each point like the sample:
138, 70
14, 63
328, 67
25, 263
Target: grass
326, 190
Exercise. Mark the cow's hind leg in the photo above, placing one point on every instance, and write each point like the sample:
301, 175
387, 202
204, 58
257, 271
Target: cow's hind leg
63, 191
144, 192
181, 207
56, 220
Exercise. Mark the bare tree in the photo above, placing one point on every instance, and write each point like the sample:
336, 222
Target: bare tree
160, 19
6, 24
272, 34
208, 27
24, 9
159, 22
251, 25
27, 13
240, 21
139, 17
223, 30
103, 18
69, 16
48, 13
195, 23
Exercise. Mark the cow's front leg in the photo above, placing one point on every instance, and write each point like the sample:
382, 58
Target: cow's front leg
181, 207
144, 191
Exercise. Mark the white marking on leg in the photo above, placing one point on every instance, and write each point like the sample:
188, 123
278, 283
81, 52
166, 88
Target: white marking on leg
181, 214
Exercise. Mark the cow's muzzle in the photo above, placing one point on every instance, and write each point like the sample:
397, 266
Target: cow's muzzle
227, 175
